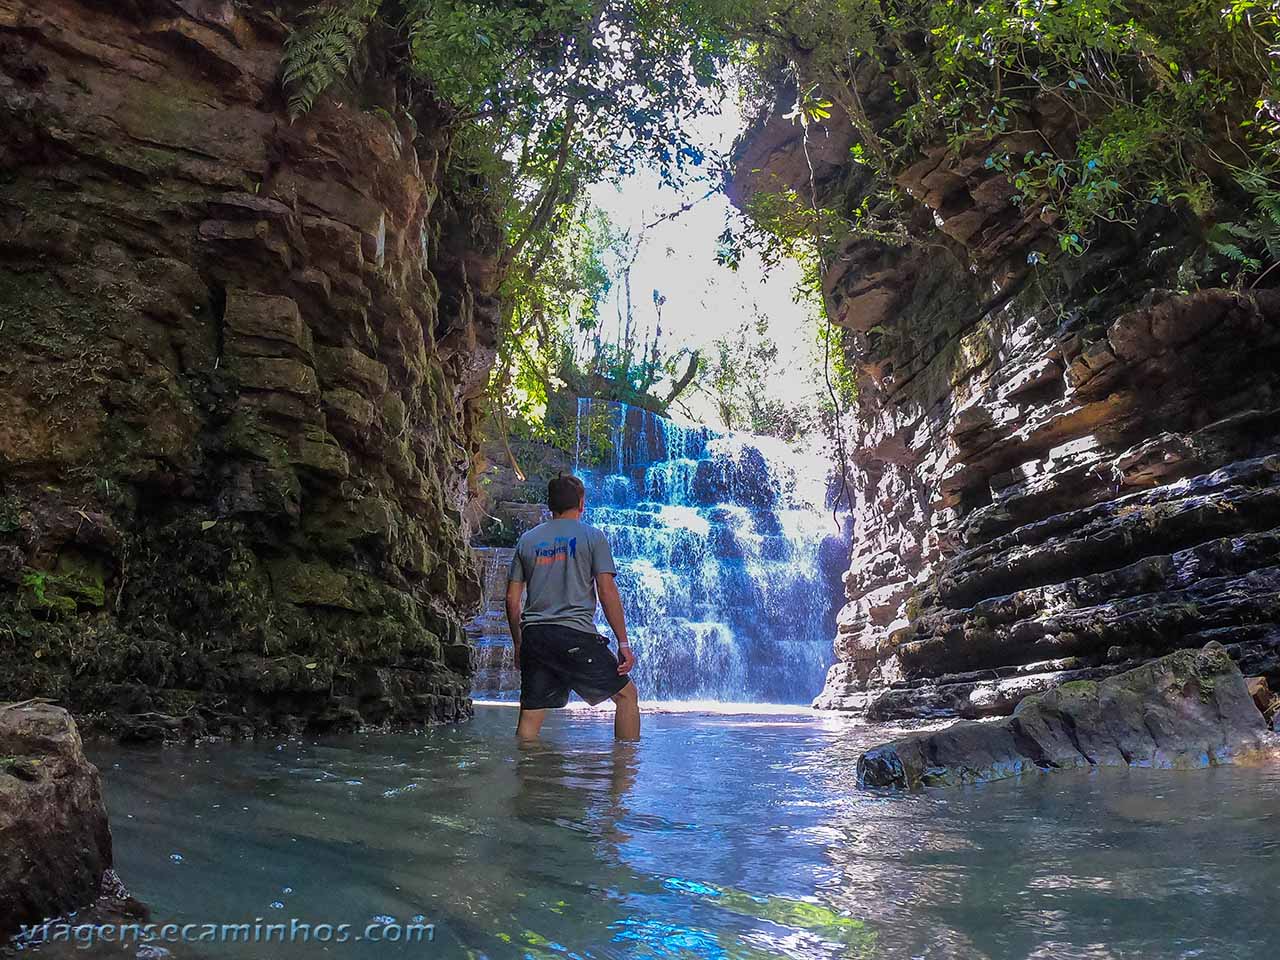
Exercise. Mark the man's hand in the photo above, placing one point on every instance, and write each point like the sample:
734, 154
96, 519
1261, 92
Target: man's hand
611, 601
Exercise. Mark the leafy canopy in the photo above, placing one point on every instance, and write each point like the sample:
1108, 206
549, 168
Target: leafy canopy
1170, 104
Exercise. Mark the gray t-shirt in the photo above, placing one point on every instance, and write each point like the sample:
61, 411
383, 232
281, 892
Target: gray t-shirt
558, 562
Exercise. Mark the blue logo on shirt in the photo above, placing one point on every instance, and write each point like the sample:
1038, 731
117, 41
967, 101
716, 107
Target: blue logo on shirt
562, 549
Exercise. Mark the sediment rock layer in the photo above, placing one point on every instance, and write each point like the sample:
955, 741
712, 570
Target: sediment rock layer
1059, 466
55, 844
1186, 710
237, 384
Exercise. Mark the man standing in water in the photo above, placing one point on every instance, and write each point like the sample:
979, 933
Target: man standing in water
566, 565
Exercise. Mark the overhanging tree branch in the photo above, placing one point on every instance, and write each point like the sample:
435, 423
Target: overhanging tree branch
549, 197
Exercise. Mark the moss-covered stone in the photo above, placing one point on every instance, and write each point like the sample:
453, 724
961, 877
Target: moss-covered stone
78, 586
1186, 710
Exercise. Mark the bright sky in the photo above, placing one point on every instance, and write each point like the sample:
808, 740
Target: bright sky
704, 299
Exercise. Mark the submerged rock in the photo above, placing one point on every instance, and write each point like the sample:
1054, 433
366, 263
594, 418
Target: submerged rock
55, 844
1191, 708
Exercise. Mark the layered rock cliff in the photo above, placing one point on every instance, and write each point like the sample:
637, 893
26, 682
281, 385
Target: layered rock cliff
1058, 469
241, 358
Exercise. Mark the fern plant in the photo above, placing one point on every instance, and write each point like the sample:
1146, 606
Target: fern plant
1246, 241
1225, 240
323, 51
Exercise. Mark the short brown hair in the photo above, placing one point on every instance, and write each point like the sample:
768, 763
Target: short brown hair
564, 493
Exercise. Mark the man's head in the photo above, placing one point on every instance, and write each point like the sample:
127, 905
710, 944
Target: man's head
565, 493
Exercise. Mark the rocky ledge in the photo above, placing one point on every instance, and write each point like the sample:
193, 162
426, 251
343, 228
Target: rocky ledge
55, 844
1192, 708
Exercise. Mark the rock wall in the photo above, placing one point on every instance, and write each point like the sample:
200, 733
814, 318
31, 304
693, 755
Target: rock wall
1058, 470
237, 388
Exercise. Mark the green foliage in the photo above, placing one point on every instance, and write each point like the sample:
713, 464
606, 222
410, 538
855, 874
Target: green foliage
735, 377
815, 40
548, 311
545, 98
557, 92
1161, 107
1133, 156
1149, 89
1165, 106
1259, 230
558, 341
595, 435
55, 594
37, 582
782, 225
322, 52
811, 107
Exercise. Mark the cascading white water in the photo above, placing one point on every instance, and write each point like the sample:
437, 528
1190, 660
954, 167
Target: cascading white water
719, 543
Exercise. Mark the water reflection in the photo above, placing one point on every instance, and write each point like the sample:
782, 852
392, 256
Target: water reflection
712, 839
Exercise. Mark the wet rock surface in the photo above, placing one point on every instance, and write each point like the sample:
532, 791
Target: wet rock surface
55, 844
1188, 709
1055, 537
237, 391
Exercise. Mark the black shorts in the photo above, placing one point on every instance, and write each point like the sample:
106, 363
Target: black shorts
555, 659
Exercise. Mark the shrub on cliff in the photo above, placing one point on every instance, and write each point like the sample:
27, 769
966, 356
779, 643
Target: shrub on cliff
1097, 112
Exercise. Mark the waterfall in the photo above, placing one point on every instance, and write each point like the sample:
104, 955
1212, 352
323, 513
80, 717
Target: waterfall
723, 551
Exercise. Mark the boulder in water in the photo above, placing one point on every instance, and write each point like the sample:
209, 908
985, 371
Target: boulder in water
55, 845
1189, 709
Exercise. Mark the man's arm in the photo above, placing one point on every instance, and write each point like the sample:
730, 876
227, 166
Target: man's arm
611, 601
515, 596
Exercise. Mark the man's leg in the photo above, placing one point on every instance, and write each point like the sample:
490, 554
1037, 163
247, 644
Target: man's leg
626, 719
530, 724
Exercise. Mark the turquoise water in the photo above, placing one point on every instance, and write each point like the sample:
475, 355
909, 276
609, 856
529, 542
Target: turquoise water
715, 837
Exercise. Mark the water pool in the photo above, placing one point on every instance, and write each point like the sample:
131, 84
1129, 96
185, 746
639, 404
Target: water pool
716, 837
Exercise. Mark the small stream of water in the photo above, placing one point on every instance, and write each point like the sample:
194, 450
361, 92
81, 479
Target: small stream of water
714, 838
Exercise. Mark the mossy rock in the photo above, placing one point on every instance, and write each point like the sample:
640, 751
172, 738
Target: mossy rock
313, 584
62, 593
1189, 709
